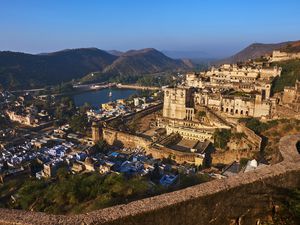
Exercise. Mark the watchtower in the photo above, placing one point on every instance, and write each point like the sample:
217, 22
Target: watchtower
96, 132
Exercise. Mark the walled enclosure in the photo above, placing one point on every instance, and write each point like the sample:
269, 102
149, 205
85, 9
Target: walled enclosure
244, 198
114, 137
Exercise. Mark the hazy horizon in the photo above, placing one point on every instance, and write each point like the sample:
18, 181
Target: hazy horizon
216, 28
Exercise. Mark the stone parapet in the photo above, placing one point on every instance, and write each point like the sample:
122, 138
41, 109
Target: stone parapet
241, 198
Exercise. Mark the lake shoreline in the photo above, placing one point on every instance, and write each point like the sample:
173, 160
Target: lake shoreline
100, 96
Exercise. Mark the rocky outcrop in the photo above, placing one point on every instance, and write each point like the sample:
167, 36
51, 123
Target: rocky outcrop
243, 199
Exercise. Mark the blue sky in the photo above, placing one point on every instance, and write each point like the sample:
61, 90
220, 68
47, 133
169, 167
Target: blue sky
216, 27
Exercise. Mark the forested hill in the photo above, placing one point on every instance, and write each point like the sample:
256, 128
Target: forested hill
21, 70
26, 70
145, 61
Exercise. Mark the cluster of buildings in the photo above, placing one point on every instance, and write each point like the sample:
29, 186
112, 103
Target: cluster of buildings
179, 116
215, 100
120, 107
22, 115
232, 75
18, 111
183, 132
50, 149
203, 104
235, 90
205, 101
41, 154
283, 56
62, 148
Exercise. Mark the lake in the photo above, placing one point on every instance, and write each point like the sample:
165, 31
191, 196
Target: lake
96, 98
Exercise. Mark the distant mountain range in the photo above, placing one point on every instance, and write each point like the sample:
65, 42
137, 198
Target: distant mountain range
115, 52
186, 54
257, 50
21, 70
18, 70
145, 61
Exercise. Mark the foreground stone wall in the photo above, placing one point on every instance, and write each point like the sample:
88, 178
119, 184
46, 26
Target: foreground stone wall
243, 199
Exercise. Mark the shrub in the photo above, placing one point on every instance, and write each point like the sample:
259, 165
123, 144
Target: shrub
221, 138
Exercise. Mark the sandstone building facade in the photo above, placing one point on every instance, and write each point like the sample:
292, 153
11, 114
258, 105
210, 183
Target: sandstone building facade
178, 103
179, 115
238, 91
283, 56
233, 75
291, 97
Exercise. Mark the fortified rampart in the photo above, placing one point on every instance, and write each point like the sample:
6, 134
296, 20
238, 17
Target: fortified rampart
245, 199
114, 137
251, 135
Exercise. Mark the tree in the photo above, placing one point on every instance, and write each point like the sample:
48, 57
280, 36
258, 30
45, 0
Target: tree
79, 123
4, 122
101, 146
192, 179
155, 174
134, 124
65, 109
62, 173
85, 107
221, 138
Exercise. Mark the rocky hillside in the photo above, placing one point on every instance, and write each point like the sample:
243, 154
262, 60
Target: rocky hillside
20, 70
292, 47
256, 50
